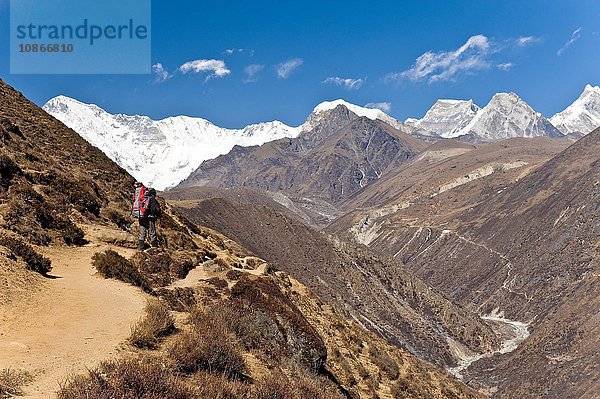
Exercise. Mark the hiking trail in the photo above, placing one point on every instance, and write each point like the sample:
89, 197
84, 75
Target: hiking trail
74, 322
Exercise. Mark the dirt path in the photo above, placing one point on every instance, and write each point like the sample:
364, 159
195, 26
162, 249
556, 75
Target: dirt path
74, 322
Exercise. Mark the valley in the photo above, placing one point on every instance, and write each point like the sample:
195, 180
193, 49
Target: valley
460, 261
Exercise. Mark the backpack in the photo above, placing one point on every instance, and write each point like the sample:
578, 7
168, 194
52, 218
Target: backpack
141, 203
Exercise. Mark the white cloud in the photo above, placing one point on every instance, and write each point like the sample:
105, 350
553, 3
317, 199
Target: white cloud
231, 51
217, 68
446, 65
574, 37
348, 83
285, 68
160, 74
385, 107
251, 71
506, 66
525, 41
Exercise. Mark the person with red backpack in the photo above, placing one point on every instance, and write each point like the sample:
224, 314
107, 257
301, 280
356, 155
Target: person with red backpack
147, 210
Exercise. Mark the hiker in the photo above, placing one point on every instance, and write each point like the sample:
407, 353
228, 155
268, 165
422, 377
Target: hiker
147, 210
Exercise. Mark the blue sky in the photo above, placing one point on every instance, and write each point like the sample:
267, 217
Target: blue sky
285, 57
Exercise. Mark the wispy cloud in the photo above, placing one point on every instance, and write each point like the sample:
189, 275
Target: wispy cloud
446, 65
506, 66
251, 71
216, 68
347, 83
160, 73
235, 50
574, 37
525, 41
384, 106
285, 69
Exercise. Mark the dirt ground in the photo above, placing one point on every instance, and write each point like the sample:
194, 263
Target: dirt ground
73, 322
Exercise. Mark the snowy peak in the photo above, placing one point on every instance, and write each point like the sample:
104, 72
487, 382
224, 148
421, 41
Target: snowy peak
446, 117
161, 153
322, 109
583, 115
507, 116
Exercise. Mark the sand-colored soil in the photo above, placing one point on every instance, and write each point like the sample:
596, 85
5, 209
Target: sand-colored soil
75, 320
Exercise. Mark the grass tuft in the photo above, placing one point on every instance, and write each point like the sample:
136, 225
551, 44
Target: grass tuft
11, 382
156, 324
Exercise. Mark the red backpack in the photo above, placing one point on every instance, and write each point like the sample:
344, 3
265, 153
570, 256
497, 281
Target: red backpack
141, 203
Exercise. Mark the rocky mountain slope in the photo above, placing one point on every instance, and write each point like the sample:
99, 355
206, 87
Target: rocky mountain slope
323, 166
376, 292
582, 116
61, 200
526, 250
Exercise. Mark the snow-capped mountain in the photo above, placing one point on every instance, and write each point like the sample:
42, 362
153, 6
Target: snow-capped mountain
372, 113
160, 153
507, 116
446, 117
583, 115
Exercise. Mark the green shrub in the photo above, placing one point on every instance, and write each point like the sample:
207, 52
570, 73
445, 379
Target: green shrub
156, 324
112, 265
34, 261
11, 382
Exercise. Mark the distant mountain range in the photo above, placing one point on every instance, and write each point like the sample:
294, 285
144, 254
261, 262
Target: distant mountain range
163, 153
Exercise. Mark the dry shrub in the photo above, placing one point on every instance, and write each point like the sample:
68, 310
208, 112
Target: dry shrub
8, 170
218, 387
384, 362
222, 263
299, 385
118, 218
228, 316
406, 389
234, 274
207, 349
180, 299
112, 265
34, 261
143, 378
156, 324
218, 283
12, 381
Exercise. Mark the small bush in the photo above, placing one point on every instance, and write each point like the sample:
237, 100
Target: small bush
156, 324
144, 378
34, 261
217, 387
301, 384
118, 218
8, 170
180, 299
112, 265
384, 362
214, 351
11, 382
218, 283
234, 274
